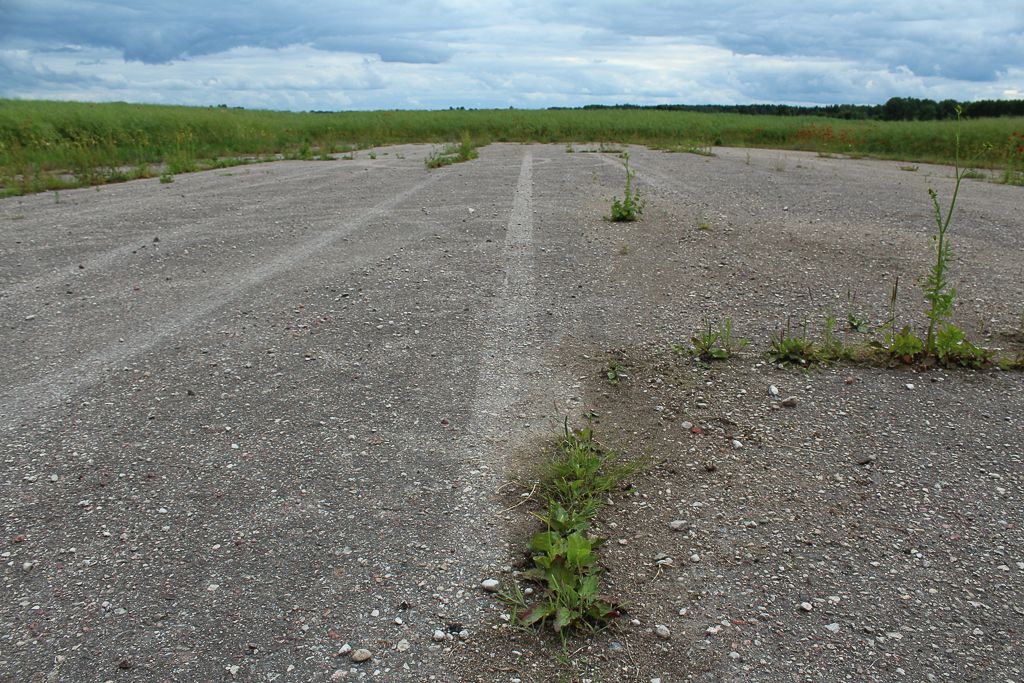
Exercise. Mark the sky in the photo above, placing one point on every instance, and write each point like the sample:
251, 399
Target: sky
365, 54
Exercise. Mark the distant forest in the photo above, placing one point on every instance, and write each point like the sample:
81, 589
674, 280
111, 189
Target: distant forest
896, 109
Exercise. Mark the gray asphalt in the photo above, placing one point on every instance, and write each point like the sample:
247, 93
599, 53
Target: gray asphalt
273, 400
257, 414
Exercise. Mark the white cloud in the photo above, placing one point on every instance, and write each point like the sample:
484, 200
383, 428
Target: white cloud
365, 55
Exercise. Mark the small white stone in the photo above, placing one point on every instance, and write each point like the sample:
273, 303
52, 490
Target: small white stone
695, 558
662, 631
773, 390
806, 606
832, 627
686, 425
398, 621
212, 587
345, 649
402, 645
233, 669
677, 524
463, 634
438, 635
490, 585
361, 655
910, 386
737, 444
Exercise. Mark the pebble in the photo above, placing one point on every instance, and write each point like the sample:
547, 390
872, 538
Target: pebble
402, 645
806, 606
463, 634
737, 444
233, 669
773, 390
662, 631
490, 585
790, 401
339, 675
910, 387
832, 627
677, 525
686, 425
438, 635
695, 558
361, 655
345, 649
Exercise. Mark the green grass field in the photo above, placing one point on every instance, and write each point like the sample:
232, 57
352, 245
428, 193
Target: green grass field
52, 145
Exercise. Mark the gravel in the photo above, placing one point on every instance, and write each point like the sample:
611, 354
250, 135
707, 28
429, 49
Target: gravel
323, 389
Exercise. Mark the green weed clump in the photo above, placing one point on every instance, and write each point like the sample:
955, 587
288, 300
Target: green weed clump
792, 348
563, 556
713, 342
631, 207
453, 153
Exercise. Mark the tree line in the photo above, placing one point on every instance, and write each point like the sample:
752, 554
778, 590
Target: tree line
895, 109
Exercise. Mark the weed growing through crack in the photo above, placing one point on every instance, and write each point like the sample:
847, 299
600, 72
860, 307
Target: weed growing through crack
832, 347
952, 348
702, 222
631, 206
792, 348
564, 563
713, 342
166, 178
856, 321
453, 153
939, 294
614, 372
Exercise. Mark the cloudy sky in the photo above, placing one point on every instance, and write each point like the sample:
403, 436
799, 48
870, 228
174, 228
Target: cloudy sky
366, 54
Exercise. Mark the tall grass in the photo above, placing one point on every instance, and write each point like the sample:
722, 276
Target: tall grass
56, 144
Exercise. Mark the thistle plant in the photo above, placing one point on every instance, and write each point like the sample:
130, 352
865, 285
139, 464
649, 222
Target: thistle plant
939, 294
630, 208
